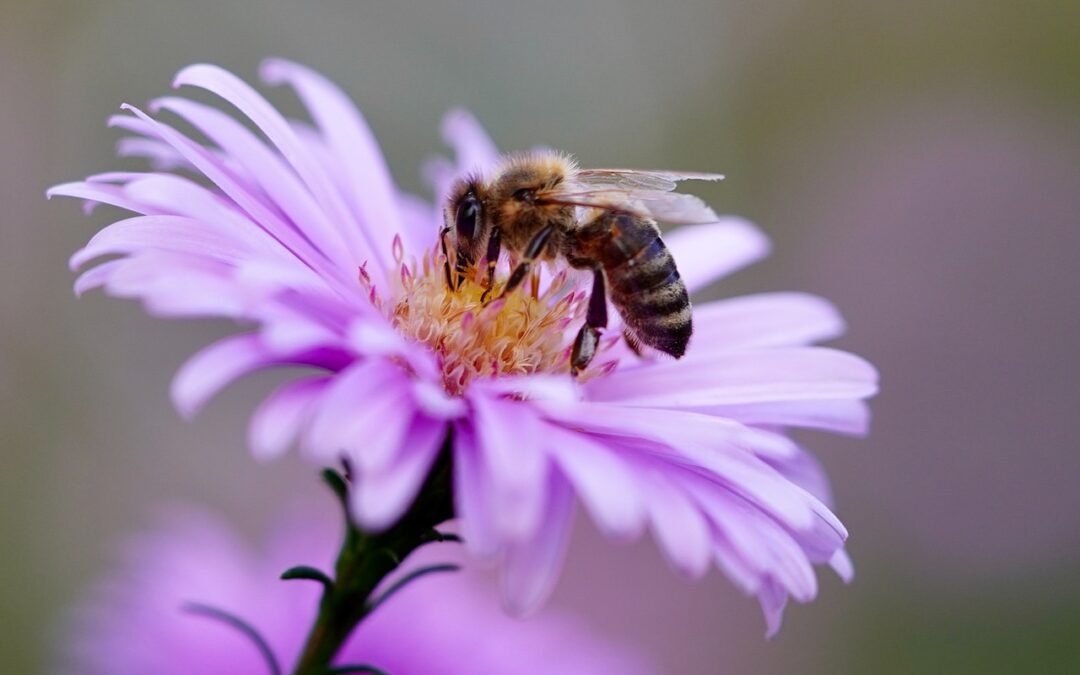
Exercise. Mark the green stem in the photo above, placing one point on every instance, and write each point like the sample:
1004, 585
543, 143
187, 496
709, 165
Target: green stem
366, 559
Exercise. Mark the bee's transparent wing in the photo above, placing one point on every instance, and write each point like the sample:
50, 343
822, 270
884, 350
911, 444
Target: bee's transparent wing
669, 207
631, 179
651, 192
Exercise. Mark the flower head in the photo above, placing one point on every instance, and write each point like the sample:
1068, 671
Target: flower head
139, 620
301, 234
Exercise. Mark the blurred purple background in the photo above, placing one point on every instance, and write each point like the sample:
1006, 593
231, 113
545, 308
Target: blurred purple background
918, 164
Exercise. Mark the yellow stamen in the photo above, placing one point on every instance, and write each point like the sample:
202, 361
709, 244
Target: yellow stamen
520, 334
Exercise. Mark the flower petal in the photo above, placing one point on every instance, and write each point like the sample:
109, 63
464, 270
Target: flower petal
508, 436
842, 416
765, 320
763, 543
721, 446
178, 285
705, 253
364, 414
606, 486
734, 378
681, 530
213, 367
773, 599
472, 495
279, 418
278, 182
168, 233
531, 567
473, 147
372, 196
277, 129
383, 495
842, 565
161, 156
205, 162
102, 193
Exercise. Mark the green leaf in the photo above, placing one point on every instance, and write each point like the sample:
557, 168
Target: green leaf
309, 573
364, 668
239, 624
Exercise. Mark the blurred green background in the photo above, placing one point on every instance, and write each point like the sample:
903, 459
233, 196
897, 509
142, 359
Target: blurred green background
918, 163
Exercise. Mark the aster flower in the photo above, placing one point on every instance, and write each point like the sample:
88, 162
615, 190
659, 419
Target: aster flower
301, 234
135, 622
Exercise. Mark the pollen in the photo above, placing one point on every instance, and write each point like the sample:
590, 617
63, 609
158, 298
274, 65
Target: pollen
527, 331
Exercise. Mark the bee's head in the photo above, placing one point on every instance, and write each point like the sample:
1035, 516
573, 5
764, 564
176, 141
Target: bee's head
466, 220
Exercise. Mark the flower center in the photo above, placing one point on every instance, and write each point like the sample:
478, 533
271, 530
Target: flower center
474, 336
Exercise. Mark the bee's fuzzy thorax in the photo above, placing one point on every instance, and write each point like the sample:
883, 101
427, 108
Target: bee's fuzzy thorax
554, 165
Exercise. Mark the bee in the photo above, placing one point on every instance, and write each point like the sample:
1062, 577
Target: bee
541, 207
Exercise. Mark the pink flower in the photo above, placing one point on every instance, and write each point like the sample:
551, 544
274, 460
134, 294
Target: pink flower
304, 237
134, 622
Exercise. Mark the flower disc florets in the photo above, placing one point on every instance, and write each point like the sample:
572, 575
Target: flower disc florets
477, 332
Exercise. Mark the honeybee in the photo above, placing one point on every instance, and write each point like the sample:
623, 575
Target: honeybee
541, 206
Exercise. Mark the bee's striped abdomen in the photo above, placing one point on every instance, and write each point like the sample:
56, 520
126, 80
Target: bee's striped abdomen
643, 282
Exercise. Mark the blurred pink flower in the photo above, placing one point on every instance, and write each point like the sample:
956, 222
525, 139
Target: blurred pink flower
306, 238
133, 622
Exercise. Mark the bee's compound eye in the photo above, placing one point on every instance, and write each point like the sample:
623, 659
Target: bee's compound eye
468, 212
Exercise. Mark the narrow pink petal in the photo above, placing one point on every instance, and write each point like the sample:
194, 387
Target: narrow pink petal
176, 234
731, 562
277, 422
607, 487
842, 565
160, 155
176, 195
172, 284
280, 184
97, 276
286, 332
806, 471
375, 336
212, 368
440, 173
365, 412
733, 378
205, 162
531, 567
372, 194
434, 401
383, 495
472, 495
765, 320
474, 148
762, 542
508, 436
843, 416
705, 253
721, 446
532, 387
420, 223
277, 129
773, 599
102, 194
681, 530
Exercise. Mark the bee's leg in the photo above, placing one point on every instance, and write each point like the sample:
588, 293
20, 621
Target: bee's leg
451, 279
493, 248
532, 252
595, 320
633, 343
